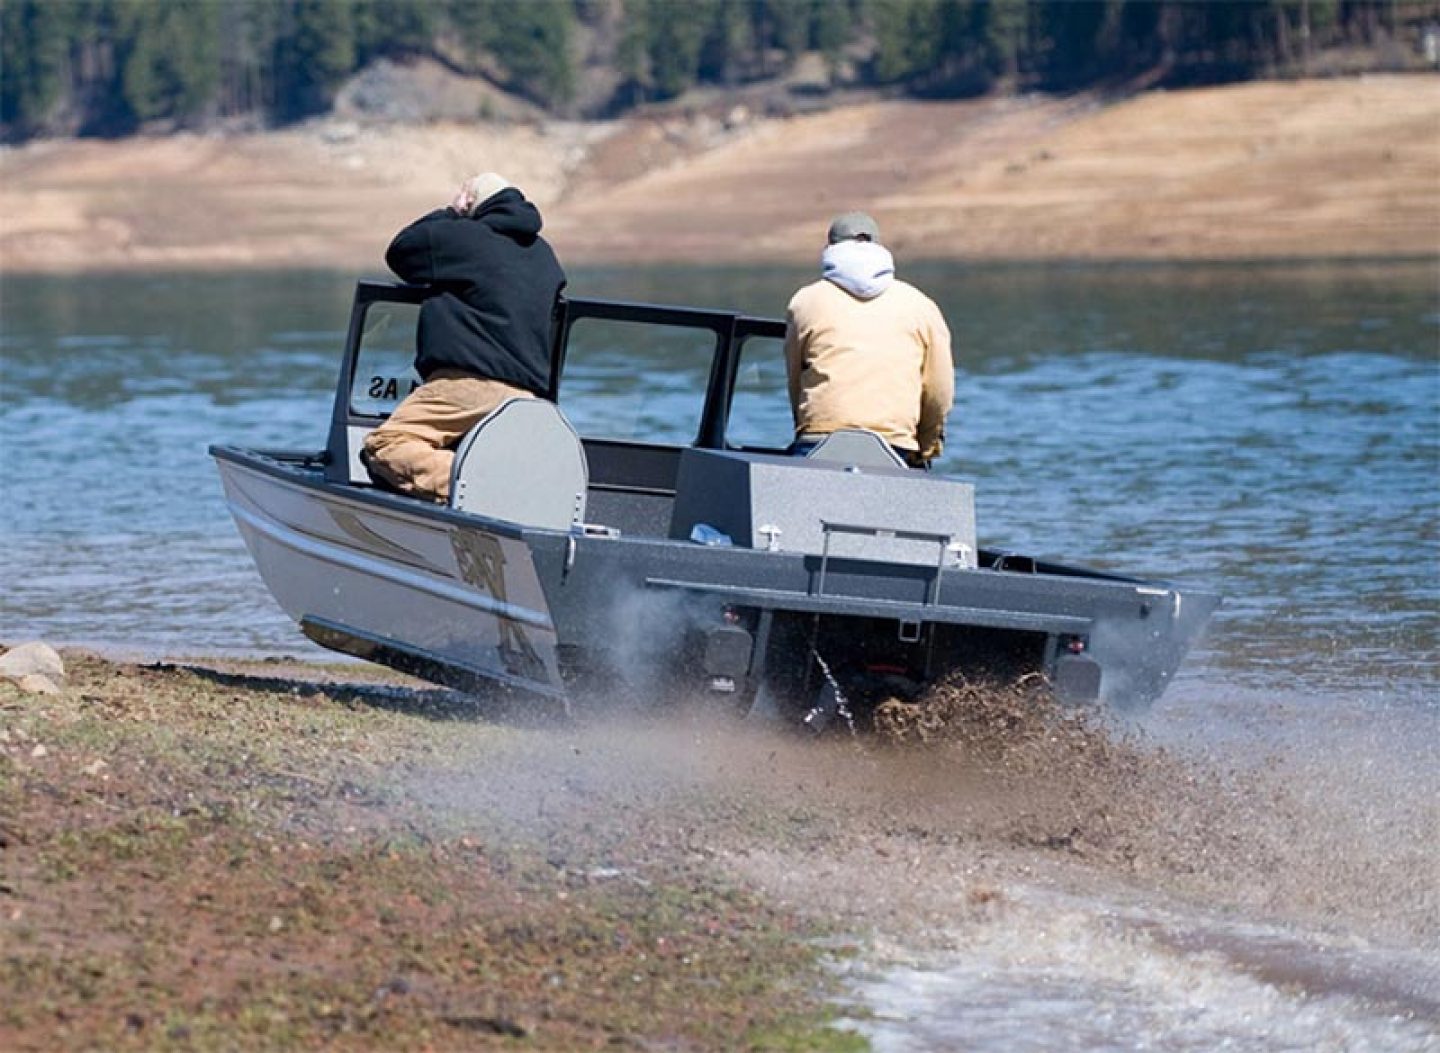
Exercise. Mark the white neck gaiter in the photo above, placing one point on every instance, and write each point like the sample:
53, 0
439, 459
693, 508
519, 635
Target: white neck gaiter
862, 268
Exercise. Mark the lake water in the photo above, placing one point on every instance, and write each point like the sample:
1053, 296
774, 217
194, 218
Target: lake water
1272, 431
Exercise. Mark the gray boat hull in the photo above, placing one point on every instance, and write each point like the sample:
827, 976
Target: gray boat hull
393, 580
465, 600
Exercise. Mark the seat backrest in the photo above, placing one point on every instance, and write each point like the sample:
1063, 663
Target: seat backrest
523, 463
856, 446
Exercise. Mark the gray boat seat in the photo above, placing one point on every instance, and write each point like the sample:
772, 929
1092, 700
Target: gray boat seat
858, 447
523, 463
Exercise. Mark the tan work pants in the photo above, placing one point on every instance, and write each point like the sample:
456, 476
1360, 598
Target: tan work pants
413, 451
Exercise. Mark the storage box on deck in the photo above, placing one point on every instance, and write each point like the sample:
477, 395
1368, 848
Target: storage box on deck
745, 494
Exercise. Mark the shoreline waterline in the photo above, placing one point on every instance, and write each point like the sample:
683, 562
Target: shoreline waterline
1201, 173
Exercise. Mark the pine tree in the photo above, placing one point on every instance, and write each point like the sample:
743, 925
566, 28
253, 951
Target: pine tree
534, 42
675, 37
1006, 25
114, 65
316, 50
34, 61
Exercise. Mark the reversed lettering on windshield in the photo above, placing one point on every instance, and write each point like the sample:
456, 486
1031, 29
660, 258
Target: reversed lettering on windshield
384, 362
377, 394
391, 389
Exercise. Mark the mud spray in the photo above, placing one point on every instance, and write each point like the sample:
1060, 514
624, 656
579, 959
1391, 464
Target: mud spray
1026, 876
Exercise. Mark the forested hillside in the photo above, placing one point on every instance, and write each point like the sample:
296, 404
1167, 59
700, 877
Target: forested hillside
112, 67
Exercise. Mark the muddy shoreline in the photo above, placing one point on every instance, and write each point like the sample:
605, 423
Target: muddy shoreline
278, 855
237, 856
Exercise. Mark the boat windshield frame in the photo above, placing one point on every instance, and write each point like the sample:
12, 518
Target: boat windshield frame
728, 330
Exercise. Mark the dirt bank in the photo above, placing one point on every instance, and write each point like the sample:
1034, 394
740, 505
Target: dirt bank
283, 856
228, 858
275, 855
1334, 168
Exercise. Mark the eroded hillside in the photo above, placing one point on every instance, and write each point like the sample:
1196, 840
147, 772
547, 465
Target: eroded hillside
1318, 168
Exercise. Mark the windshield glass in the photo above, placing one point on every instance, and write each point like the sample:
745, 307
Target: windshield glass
635, 380
385, 367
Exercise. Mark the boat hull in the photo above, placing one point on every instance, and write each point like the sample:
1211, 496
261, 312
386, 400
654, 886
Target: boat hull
417, 588
464, 601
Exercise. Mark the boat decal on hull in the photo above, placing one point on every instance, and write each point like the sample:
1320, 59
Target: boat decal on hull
303, 543
355, 527
481, 560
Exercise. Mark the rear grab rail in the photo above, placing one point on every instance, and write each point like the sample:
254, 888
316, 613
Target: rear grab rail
945, 542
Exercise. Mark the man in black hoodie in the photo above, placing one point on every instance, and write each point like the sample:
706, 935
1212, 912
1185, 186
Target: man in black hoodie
483, 337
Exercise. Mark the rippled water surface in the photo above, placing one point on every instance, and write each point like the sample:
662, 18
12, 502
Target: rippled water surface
1272, 431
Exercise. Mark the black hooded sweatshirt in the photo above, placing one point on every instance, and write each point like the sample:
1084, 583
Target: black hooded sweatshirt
498, 281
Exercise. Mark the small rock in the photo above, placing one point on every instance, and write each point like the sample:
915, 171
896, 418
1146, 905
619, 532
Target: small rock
32, 658
39, 751
276, 924
95, 767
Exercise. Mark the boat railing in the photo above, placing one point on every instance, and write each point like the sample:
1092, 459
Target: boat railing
950, 551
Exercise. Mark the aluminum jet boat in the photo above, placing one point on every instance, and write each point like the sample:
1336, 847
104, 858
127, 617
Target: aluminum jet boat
653, 536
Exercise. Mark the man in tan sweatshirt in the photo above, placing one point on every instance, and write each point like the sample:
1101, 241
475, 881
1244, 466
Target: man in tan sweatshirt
865, 350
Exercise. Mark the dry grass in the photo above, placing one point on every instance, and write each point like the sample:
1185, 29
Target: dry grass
196, 859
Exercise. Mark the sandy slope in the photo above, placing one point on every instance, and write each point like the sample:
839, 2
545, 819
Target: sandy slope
1317, 168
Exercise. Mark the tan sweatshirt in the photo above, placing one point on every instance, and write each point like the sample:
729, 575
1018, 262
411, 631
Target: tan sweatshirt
882, 364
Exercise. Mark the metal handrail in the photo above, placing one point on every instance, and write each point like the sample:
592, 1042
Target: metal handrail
946, 543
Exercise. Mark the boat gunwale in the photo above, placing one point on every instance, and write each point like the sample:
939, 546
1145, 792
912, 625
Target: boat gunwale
277, 463
290, 466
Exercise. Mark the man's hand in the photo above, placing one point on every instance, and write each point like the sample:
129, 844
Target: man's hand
464, 199
931, 449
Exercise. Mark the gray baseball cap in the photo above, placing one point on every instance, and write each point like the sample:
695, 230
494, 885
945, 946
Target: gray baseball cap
850, 225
